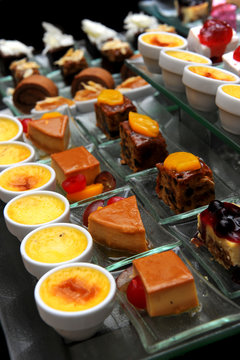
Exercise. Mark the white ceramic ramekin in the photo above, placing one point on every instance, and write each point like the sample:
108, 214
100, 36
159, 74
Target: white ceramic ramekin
30, 158
229, 110
38, 268
150, 53
6, 195
172, 67
21, 230
18, 136
201, 90
76, 325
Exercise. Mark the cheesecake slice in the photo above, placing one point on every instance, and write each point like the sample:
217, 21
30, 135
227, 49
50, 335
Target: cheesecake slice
51, 135
75, 161
119, 226
168, 283
219, 230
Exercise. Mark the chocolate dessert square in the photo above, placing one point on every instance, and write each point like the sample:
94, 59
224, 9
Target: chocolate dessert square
109, 117
141, 152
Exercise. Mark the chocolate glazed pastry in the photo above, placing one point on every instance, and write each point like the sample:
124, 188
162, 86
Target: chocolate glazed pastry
32, 89
95, 74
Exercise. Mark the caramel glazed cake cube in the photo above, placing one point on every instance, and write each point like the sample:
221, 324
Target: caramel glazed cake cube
187, 190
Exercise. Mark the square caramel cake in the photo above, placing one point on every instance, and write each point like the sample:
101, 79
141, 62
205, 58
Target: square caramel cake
75, 161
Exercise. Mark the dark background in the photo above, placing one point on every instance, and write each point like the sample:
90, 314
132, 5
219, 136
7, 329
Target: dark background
22, 20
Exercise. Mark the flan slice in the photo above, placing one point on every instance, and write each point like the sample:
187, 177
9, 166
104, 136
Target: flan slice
75, 161
169, 285
51, 135
119, 226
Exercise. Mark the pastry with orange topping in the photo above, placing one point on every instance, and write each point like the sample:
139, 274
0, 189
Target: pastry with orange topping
50, 134
184, 182
142, 144
111, 108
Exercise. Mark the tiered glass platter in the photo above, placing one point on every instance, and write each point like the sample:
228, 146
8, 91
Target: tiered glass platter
219, 315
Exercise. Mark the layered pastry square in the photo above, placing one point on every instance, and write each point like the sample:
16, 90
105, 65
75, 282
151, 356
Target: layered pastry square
111, 108
75, 161
141, 150
50, 134
184, 182
219, 230
119, 226
168, 283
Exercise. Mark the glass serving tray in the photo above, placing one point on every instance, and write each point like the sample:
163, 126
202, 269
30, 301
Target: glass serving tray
228, 281
209, 120
156, 235
164, 332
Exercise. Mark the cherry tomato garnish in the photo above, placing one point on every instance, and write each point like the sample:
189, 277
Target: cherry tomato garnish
74, 183
90, 208
136, 293
24, 123
114, 199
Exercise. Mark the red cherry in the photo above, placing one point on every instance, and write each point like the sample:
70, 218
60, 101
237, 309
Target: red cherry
215, 32
114, 199
25, 122
90, 208
236, 54
74, 183
136, 293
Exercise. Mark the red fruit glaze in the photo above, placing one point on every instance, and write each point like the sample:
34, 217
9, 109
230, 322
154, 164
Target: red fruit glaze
74, 183
236, 54
114, 199
216, 34
24, 123
136, 293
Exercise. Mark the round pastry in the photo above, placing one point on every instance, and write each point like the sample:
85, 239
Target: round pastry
96, 74
31, 90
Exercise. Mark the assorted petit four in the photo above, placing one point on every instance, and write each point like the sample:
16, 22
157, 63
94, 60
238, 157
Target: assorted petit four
90, 91
12, 50
31, 90
212, 39
113, 53
132, 82
142, 144
162, 285
50, 134
231, 61
10, 128
13, 152
119, 226
71, 63
53, 102
184, 182
192, 10
96, 74
20, 69
219, 230
111, 108
56, 43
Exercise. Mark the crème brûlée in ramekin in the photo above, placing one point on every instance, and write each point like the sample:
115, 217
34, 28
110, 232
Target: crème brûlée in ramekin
24, 177
56, 244
36, 209
201, 83
14, 152
10, 128
75, 288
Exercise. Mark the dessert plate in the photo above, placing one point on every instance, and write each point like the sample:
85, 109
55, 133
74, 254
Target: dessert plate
228, 281
168, 332
156, 235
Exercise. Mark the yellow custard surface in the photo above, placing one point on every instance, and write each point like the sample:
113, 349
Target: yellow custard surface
75, 288
13, 153
36, 209
232, 90
186, 56
8, 129
56, 244
212, 73
163, 40
25, 177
